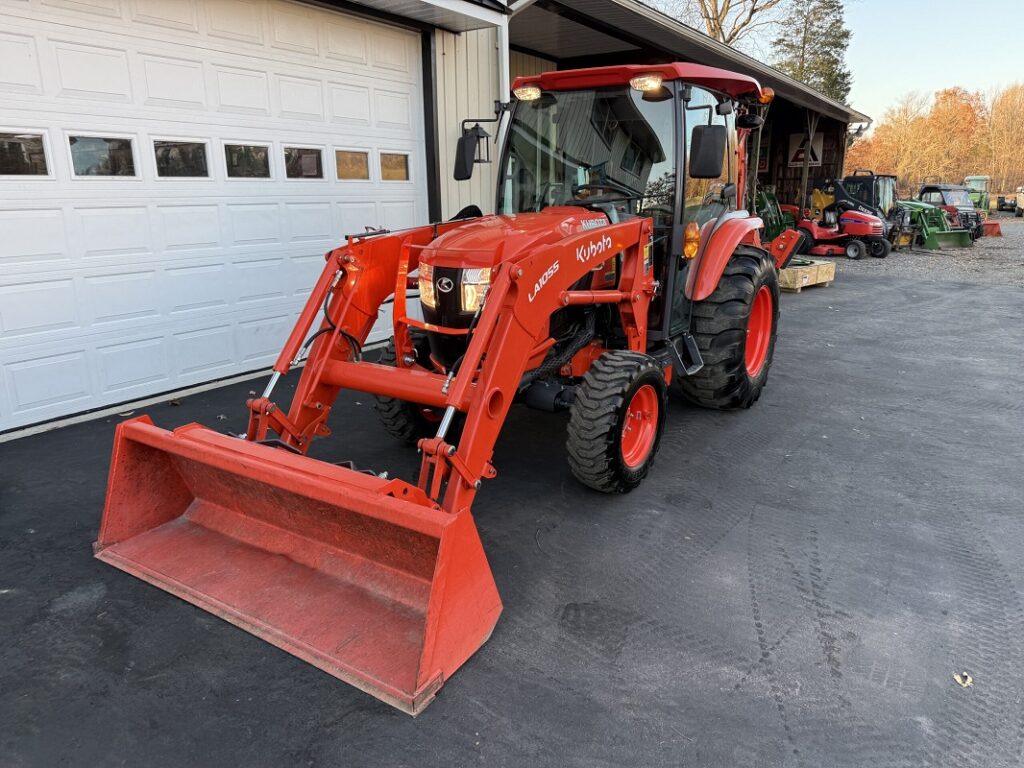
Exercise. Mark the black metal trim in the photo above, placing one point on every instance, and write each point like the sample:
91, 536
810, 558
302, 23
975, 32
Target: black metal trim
431, 136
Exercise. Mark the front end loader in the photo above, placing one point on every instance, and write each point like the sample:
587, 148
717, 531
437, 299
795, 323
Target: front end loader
619, 261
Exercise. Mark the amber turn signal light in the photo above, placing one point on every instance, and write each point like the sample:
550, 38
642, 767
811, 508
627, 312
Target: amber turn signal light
767, 94
691, 240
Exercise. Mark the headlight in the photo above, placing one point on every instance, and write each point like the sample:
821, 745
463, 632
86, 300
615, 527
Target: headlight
427, 295
475, 283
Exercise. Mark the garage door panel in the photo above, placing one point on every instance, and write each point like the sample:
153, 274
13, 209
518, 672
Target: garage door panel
101, 7
294, 29
350, 104
121, 287
236, 20
206, 351
50, 380
114, 231
299, 97
356, 217
171, 82
187, 227
19, 64
243, 91
131, 365
179, 14
254, 223
259, 341
92, 72
36, 306
346, 42
259, 280
119, 297
32, 237
392, 109
196, 287
392, 51
309, 222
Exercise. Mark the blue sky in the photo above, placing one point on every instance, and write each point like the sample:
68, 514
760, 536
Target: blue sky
925, 45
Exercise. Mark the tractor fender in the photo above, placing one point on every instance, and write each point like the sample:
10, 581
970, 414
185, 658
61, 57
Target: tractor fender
717, 249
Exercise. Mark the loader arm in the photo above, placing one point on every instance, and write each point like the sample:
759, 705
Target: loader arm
510, 338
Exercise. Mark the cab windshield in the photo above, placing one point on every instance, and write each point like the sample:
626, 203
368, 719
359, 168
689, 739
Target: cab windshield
606, 148
957, 197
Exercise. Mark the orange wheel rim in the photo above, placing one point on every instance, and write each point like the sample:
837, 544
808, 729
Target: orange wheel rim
640, 426
759, 331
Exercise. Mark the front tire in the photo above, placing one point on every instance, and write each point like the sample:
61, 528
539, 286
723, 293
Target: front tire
401, 419
1018, 212
616, 421
855, 249
735, 329
879, 247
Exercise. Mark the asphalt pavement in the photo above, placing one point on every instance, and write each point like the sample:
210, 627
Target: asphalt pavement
793, 585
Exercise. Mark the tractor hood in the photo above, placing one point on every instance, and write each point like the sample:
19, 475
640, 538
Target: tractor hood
490, 240
914, 205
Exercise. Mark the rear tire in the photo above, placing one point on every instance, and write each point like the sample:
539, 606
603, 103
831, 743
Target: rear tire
616, 421
855, 249
879, 247
723, 329
401, 419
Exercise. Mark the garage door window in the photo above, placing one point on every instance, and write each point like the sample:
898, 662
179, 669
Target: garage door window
22, 154
182, 159
394, 166
352, 165
101, 156
247, 161
303, 163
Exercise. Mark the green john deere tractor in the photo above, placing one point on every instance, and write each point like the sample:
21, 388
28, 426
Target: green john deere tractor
978, 190
931, 228
908, 222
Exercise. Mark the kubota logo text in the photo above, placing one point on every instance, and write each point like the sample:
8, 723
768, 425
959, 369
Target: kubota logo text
593, 249
542, 281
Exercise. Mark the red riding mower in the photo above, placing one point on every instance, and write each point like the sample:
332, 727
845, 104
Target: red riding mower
835, 226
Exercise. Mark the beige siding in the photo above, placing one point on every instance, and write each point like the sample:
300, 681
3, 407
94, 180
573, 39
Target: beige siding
524, 65
467, 86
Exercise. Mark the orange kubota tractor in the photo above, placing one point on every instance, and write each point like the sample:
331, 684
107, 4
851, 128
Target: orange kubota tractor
620, 261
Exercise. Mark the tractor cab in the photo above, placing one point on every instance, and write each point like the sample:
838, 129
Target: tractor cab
583, 152
978, 190
877, 192
955, 200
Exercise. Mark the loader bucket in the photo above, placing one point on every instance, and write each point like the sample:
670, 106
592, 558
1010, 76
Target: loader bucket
954, 238
362, 577
992, 228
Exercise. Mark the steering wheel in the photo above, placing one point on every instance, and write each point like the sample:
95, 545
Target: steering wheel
624, 191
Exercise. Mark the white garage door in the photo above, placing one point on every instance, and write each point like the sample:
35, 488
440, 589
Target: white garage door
171, 174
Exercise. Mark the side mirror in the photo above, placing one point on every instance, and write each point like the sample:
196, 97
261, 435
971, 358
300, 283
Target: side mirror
465, 152
707, 151
729, 192
749, 121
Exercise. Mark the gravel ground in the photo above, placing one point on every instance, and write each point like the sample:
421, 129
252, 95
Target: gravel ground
992, 260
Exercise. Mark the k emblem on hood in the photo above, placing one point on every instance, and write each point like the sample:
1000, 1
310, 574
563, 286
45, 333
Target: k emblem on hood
445, 285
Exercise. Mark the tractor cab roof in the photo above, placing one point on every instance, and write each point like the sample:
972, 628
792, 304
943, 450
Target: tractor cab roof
730, 83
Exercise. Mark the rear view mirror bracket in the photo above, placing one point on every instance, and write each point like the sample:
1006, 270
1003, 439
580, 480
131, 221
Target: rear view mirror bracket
467, 150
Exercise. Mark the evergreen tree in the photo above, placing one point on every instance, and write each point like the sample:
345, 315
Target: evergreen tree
812, 47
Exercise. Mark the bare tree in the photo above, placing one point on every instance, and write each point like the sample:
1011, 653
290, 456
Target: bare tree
728, 21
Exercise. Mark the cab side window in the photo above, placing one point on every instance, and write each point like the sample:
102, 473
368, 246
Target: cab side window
703, 196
